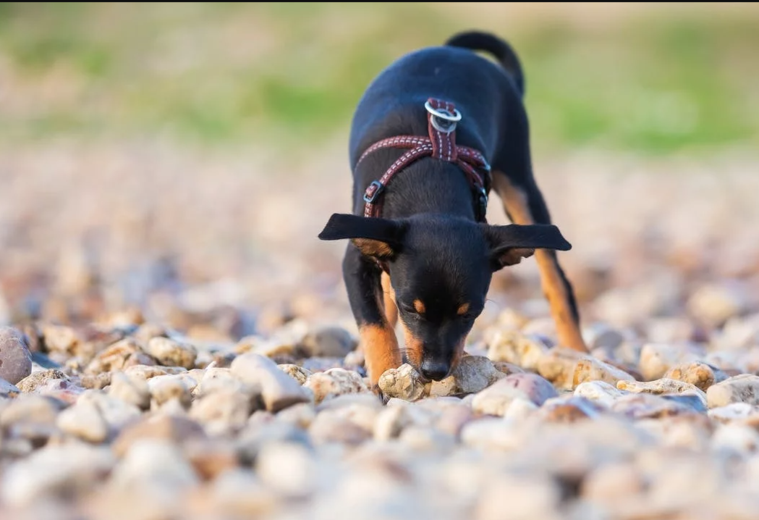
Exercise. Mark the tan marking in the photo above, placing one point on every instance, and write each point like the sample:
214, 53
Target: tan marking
413, 346
419, 306
463, 308
371, 247
388, 297
516, 205
380, 348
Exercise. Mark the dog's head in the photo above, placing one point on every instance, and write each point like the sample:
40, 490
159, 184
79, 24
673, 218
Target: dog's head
440, 270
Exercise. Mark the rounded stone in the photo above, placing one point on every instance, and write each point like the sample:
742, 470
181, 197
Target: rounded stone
15, 358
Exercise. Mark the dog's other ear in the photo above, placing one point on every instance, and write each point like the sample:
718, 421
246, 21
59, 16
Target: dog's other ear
377, 237
509, 244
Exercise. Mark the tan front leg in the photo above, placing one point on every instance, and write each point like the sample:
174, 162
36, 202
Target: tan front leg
380, 350
516, 205
388, 296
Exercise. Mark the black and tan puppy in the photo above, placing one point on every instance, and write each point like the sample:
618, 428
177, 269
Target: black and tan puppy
430, 256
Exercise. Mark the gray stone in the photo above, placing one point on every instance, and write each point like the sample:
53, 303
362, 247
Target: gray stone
495, 399
15, 358
277, 388
328, 342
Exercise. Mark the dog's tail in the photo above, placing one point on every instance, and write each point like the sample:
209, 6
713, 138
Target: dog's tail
482, 41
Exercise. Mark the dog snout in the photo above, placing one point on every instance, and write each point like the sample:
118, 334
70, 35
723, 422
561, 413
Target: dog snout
435, 370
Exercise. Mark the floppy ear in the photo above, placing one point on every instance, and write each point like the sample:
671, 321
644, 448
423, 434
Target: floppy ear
377, 237
509, 244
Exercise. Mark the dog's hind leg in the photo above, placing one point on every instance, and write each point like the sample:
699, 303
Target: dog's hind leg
524, 204
377, 336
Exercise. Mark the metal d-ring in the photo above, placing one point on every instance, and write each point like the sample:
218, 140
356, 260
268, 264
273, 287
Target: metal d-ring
444, 115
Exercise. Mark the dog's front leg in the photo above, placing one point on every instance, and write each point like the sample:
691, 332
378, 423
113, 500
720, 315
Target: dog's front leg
377, 337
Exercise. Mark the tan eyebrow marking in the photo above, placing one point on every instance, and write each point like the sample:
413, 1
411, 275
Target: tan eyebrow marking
419, 306
462, 309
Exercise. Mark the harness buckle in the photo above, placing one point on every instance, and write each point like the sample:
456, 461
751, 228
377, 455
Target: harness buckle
442, 120
370, 195
482, 203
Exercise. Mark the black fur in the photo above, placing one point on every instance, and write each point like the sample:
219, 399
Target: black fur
444, 258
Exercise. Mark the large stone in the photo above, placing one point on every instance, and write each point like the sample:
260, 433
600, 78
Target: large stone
171, 353
15, 358
116, 413
277, 388
335, 382
641, 406
495, 399
738, 389
403, 382
119, 356
166, 388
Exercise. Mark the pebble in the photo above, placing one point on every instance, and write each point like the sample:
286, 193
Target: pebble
590, 369
240, 494
328, 342
277, 388
8, 390
61, 470
222, 412
174, 387
131, 390
517, 348
335, 382
170, 429
698, 374
473, 374
171, 353
403, 382
495, 399
558, 366
32, 382
657, 358
119, 356
83, 420
15, 358
300, 374
738, 389
598, 391
155, 465
289, 469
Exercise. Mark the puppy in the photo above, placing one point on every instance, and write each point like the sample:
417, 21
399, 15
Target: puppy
444, 124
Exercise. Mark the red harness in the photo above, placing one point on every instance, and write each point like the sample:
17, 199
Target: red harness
441, 144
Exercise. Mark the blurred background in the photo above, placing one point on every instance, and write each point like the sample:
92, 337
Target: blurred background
180, 159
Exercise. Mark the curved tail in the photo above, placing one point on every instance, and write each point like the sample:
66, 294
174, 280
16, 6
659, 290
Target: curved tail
482, 41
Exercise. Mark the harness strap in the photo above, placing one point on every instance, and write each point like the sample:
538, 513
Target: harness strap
441, 144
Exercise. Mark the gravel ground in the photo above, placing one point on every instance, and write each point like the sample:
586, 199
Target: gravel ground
179, 346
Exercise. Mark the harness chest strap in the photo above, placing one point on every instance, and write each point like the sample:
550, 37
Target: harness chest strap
441, 144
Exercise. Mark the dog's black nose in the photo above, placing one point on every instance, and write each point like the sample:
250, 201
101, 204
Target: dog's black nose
435, 370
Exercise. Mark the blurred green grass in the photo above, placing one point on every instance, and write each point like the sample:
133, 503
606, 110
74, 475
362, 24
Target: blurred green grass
275, 74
